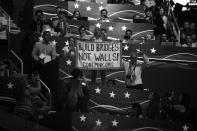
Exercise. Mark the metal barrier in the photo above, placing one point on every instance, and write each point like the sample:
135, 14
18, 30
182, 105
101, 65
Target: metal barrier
19, 59
45, 86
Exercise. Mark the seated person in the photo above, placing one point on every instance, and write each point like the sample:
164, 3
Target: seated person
127, 38
164, 37
111, 83
189, 42
128, 34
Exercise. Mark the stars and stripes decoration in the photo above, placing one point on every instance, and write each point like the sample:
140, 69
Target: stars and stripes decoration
92, 10
116, 99
151, 48
116, 30
93, 121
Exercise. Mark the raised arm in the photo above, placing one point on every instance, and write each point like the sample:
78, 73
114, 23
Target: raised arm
54, 54
34, 52
145, 59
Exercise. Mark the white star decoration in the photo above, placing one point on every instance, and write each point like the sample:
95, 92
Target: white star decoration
141, 43
76, 5
54, 42
124, 28
185, 128
111, 28
114, 123
88, 8
98, 122
127, 116
112, 94
72, 53
68, 62
124, 41
82, 118
98, 90
153, 51
138, 50
127, 95
98, 25
126, 47
101, 7
10, 85
40, 38
67, 43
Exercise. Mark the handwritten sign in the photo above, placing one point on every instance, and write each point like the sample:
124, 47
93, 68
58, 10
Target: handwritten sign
93, 55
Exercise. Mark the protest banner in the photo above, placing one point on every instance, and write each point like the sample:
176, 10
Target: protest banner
98, 55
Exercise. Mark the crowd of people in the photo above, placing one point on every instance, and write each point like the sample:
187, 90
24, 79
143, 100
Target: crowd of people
74, 94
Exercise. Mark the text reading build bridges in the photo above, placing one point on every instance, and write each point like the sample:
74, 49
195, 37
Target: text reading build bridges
98, 55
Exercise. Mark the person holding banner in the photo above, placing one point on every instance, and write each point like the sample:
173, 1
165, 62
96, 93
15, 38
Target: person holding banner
133, 69
99, 36
83, 35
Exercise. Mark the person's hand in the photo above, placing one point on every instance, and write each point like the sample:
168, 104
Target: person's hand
141, 52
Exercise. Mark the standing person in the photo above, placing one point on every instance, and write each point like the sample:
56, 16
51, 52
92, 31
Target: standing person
44, 50
78, 95
99, 36
76, 15
63, 24
133, 70
82, 34
104, 16
39, 22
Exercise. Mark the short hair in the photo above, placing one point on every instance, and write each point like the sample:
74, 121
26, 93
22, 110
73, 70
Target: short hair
103, 29
81, 28
104, 10
129, 30
76, 11
39, 11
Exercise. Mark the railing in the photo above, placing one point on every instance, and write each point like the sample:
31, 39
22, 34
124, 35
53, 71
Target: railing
12, 27
21, 62
45, 86
19, 59
6, 14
